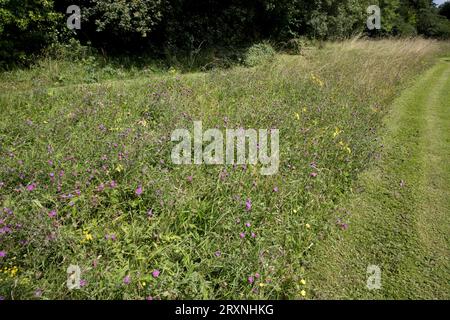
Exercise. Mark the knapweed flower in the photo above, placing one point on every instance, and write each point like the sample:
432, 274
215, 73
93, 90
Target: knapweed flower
257, 275
253, 235
155, 273
251, 279
31, 186
2, 254
127, 280
248, 225
52, 214
139, 191
248, 205
242, 235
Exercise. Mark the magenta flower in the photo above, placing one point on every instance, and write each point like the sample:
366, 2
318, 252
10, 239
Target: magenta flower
2, 254
52, 214
248, 205
31, 186
155, 273
127, 280
139, 191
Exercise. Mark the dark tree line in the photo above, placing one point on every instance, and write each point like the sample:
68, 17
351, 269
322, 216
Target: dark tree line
27, 26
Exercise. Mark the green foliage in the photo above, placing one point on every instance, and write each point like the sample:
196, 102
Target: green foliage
260, 53
25, 27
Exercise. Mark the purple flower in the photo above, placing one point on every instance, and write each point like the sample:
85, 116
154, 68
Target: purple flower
52, 214
218, 254
127, 280
313, 174
31, 186
242, 235
248, 205
248, 225
113, 184
257, 275
253, 235
150, 213
155, 273
139, 191
251, 279
2, 254
83, 283
275, 189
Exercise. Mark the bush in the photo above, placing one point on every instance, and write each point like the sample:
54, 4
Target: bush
260, 53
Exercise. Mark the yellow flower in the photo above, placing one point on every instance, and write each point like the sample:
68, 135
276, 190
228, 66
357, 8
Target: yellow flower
308, 226
119, 168
297, 116
262, 285
337, 132
348, 150
303, 281
303, 293
143, 283
305, 110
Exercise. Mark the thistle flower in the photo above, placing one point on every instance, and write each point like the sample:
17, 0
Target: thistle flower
155, 273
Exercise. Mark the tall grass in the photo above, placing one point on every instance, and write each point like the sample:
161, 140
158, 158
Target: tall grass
73, 157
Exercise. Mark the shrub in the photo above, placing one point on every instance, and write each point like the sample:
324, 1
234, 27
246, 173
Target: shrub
260, 53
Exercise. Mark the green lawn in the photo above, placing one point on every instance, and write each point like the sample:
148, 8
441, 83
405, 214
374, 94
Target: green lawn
400, 218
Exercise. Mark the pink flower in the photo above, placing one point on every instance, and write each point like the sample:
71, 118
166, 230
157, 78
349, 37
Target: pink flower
248, 225
190, 178
139, 191
113, 184
31, 186
218, 254
257, 275
155, 273
83, 283
251, 279
313, 174
253, 235
2, 254
248, 205
127, 280
242, 235
52, 214
275, 189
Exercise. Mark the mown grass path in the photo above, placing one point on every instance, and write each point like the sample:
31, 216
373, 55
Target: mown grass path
400, 219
